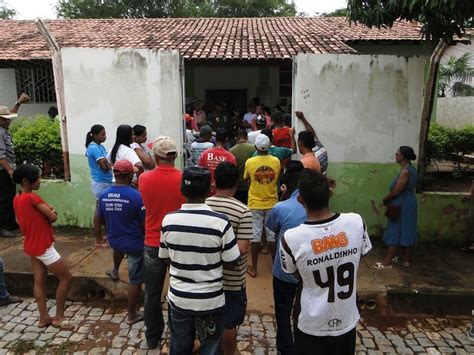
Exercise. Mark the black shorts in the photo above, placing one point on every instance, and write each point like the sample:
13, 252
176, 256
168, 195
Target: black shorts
234, 309
306, 344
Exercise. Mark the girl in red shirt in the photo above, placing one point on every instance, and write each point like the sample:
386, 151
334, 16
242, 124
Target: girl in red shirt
35, 217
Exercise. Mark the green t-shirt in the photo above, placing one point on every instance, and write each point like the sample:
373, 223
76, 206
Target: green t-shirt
281, 153
242, 152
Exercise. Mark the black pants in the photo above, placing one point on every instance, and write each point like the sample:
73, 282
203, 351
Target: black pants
284, 297
306, 344
7, 193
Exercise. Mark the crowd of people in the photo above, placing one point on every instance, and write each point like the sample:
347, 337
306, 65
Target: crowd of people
240, 193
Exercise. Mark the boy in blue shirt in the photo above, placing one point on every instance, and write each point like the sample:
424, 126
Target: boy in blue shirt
121, 209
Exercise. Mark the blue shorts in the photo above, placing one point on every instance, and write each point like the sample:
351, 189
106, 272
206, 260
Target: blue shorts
135, 268
234, 308
98, 188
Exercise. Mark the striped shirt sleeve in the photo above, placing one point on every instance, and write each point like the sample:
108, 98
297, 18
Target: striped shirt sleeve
163, 252
244, 231
230, 249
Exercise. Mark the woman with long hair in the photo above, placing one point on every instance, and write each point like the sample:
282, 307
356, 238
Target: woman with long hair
138, 145
122, 151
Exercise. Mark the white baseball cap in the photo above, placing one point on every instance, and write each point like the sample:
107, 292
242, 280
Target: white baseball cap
5, 113
262, 142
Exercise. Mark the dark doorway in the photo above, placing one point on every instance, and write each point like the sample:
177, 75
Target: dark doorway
233, 98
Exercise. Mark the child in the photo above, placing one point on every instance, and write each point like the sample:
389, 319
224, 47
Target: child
121, 208
35, 217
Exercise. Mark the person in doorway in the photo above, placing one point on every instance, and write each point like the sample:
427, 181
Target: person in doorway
5, 297
121, 210
8, 224
53, 112
35, 217
242, 152
319, 150
202, 143
287, 214
220, 119
138, 145
198, 113
328, 270
197, 241
305, 146
211, 157
260, 123
401, 227
248, 117
122, 151
263, 171
160, 189
261, 110
101, 173
282, 135
226, 177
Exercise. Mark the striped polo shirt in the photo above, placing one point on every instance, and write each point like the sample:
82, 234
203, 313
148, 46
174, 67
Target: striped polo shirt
197, 241
241, 219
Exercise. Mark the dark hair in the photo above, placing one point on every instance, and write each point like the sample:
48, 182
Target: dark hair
291, 175
307, 139
195, 182
221, 135
242, 133
407, 152
95, 129
53, 111
138, 129
123, 136
226, 175
314, 189
287, 119
26, 171
268, 132
277, 117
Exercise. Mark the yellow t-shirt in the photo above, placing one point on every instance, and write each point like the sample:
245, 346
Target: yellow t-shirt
263, 172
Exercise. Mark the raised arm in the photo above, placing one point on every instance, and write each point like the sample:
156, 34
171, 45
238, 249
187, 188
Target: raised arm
307, 125
24, 98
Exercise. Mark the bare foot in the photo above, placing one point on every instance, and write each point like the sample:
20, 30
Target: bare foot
62, 324
45, 323
135, 319
251, 271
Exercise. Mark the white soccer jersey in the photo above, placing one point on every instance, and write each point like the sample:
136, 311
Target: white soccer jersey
326, 254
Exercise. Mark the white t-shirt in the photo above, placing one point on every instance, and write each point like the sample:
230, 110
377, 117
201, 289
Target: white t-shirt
252, 136
143, 147
326, 254
248, 117
125, 153
197, 148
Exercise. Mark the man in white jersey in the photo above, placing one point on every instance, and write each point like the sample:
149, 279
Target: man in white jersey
325, 251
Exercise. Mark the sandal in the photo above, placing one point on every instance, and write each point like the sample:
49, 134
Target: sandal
380, 266
396, 260
112, 274
138, 317
251, 272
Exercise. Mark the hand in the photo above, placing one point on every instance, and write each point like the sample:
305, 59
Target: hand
292, 131
24, 98
53, 210
332, 183
299, 115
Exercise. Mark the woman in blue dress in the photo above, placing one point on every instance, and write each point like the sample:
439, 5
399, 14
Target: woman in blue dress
402, 230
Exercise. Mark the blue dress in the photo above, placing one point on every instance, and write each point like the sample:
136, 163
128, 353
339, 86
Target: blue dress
403, 231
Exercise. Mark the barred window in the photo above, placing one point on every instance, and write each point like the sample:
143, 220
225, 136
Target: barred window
37, 82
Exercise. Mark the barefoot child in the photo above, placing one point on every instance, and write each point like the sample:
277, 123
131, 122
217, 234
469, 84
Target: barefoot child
35, 217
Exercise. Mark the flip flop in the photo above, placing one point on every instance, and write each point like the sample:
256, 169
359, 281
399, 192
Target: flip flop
138, 317
396, 260
63, 325
113, 276
379, 266
251, 273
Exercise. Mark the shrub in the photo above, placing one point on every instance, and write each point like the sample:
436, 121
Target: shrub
447, 143
38, 141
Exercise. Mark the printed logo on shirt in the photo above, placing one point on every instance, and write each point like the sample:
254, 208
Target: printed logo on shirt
265, 175
330, 242
334, 323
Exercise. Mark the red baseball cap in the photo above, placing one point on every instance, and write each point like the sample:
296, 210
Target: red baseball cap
123, 167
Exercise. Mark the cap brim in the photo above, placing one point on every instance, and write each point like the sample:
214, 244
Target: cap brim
9, 117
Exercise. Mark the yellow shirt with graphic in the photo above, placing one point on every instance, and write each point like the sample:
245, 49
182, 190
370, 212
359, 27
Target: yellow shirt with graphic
263, 172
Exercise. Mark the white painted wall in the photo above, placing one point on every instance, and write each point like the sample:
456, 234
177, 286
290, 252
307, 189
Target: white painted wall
455, 112
363, 107
121, 86
8, 96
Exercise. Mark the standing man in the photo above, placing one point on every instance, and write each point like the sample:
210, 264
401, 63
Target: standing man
197, 241
325, 251
7, 166
285, 215
198, 113
226, 178
248, 117
305, 146
283, 136
263, 171
260, 123
160, 189
242, 152
201, 144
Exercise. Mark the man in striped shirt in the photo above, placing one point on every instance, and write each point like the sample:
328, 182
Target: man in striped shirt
226, 177
197, 241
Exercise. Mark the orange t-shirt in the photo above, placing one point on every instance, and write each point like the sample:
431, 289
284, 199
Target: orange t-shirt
310, 161
282, 137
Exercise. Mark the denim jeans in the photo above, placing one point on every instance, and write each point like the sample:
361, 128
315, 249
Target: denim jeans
155, 272
284, 297
3, 288
184, 326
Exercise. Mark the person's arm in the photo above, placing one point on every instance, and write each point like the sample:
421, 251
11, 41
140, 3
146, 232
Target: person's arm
293, 141
4, 163
402, 181
306, 124
230, 250
145, 158
49, 212
244, 232
24, 98
287, 260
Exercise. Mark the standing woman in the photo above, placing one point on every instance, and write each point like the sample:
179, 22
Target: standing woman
401, 211
140, 137
122, 151
101, 173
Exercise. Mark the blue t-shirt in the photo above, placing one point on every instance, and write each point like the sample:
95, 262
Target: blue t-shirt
122, 208
281, 153
283, 216
94, 153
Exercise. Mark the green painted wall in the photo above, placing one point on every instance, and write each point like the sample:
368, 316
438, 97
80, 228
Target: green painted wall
442, 217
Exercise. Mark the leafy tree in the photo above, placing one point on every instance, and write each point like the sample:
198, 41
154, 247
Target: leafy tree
6, 12
173, 8
454, 74
336, 13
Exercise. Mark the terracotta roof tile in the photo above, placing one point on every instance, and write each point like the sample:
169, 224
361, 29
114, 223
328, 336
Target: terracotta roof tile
200, 38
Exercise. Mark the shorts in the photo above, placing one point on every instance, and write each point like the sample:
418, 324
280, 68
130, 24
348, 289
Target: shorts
259, 220
135, 268
50, 256
234, 308
99, 187
306, 344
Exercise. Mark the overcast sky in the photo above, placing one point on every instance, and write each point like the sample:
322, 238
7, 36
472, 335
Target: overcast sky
30, 9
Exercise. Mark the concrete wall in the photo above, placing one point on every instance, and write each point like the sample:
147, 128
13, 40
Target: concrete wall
455, 112
8, 96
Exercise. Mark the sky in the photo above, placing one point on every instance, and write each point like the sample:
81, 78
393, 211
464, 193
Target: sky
30, 9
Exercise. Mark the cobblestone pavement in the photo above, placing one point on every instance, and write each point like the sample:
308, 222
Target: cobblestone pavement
102, 330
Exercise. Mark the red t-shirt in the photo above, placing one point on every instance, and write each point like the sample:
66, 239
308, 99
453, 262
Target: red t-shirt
282, 137
211, 157
34, 225
161, 194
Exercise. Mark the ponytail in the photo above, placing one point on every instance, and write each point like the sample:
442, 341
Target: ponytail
95, 129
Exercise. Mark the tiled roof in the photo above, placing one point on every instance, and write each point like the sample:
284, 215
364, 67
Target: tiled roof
201, 38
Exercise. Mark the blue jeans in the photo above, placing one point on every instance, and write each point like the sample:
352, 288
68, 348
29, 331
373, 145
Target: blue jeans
3, 288
284, 295
184, 326
155, 272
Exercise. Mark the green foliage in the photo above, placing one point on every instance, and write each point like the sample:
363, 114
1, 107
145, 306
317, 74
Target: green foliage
447, 143
38, 141
173, 8
454, 73
336, 13
440, 18
6, 12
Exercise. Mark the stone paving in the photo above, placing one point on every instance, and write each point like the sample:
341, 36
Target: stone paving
102, 330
